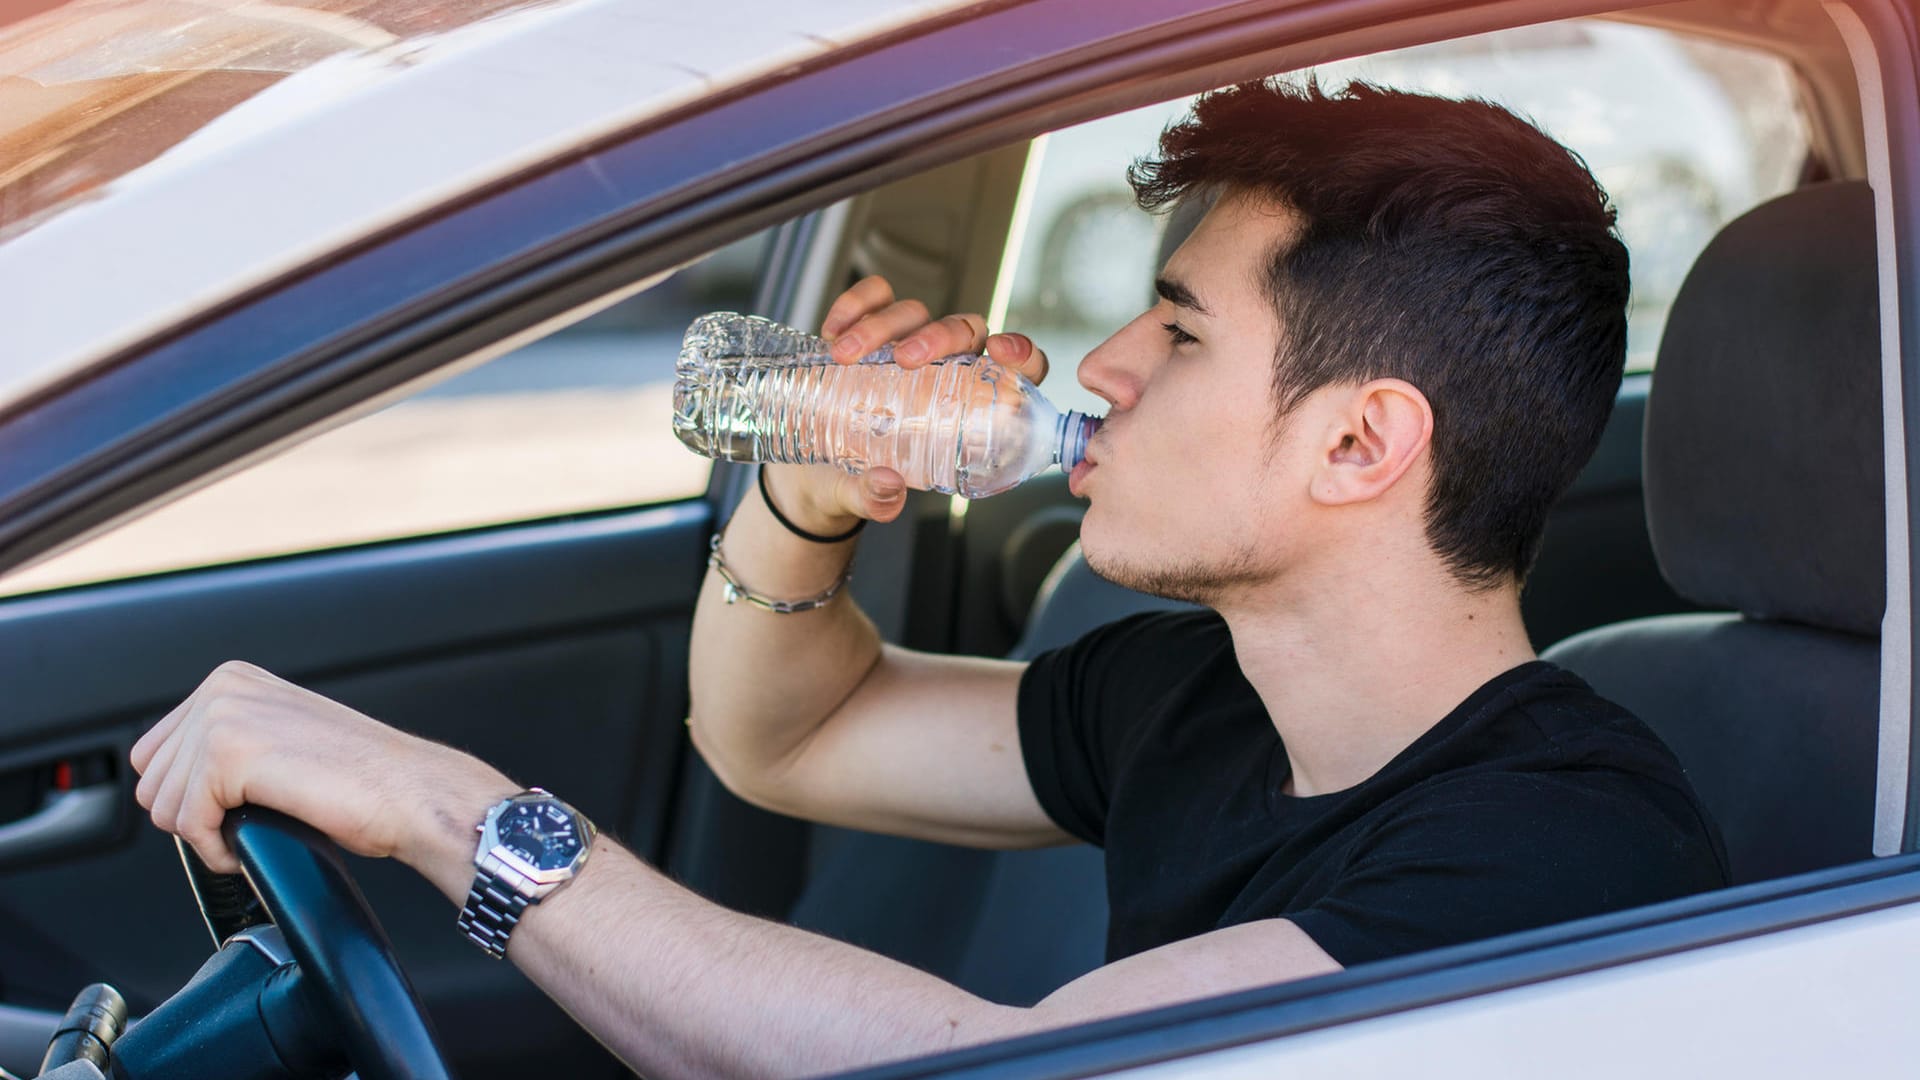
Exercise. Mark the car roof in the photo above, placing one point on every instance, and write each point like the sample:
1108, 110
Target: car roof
344, 125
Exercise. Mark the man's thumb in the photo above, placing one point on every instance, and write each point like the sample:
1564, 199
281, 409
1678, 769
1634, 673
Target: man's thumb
884, 494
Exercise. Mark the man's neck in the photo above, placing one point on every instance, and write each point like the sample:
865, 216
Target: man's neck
1353, 673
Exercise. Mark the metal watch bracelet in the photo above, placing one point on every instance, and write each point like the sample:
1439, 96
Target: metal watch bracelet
492, 910
736, 591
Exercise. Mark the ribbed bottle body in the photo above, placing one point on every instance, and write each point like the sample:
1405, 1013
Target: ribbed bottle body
750, 390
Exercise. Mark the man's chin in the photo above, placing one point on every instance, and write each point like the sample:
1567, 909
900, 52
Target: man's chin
1189, 584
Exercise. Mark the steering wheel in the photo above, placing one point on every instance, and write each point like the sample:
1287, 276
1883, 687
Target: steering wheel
298, 876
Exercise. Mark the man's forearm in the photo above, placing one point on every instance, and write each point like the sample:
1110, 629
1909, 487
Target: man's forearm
680, 987
760, 682
677, 985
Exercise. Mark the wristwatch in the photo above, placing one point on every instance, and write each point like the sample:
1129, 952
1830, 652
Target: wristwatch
530, 845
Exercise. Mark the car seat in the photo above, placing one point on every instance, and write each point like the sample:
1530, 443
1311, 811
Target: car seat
1765, 495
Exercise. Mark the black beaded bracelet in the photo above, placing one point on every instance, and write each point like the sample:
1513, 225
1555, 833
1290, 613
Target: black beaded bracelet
796, 530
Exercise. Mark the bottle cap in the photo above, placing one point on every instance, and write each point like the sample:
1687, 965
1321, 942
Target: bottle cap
1076, 429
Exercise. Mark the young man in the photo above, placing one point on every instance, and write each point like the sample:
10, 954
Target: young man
1386, 349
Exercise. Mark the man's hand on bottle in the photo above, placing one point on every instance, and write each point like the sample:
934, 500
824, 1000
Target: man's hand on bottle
825, 499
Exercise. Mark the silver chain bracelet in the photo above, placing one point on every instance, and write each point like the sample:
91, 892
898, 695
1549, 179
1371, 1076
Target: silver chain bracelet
736, 591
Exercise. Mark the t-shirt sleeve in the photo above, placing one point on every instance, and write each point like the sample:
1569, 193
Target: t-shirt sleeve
1078, 704
1480, 857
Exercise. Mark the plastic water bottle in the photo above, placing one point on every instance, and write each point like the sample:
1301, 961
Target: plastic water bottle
749, 389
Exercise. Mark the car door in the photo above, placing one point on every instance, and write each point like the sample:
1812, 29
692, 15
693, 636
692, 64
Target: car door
506, 562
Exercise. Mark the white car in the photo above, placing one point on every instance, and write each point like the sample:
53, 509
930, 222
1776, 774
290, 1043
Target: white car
239, 242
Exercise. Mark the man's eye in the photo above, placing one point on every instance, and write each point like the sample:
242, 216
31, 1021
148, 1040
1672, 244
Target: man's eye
1178, 333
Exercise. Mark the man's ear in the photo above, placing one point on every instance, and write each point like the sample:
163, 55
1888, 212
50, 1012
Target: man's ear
1374, 437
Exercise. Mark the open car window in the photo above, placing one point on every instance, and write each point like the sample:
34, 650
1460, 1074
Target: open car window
1685, 133
577, 421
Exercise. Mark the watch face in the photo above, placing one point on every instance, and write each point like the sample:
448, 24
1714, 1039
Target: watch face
541, 834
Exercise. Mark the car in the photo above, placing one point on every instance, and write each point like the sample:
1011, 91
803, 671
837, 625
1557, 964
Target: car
332, 340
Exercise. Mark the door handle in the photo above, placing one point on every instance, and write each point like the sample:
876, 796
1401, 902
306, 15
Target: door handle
66, 819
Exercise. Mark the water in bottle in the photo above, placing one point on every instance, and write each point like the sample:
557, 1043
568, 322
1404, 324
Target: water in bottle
749, 389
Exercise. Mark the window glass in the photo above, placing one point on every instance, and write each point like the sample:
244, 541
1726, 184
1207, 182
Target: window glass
1685, 134
580, 420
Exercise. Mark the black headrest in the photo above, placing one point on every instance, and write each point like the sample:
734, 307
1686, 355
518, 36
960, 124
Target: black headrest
1763, 456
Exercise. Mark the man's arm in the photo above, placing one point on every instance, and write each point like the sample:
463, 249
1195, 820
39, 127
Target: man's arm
810, 714
676, 985
680, 987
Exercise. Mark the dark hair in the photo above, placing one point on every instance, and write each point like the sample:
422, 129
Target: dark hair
1447, 243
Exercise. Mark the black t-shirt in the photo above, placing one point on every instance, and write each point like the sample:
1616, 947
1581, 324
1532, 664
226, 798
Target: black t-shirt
1533, 802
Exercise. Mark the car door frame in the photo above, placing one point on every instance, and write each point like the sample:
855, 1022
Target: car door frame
1544, 960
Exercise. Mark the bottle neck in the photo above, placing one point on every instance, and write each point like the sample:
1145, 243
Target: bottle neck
1070, 439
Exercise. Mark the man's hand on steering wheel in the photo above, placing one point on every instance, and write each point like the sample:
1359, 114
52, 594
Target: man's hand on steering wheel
246, 736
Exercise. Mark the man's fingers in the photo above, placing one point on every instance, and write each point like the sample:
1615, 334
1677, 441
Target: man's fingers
1017, 351
251, 736
866, 295
886, 493
215, 854
945, 337
141, 756
879, 494
164, 808
156, 771
890, 323
867, 316
202, 812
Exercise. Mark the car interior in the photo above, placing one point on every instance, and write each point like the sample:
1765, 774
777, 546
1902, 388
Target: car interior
1719, 568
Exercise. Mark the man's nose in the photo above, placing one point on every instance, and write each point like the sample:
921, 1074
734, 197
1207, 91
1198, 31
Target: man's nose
1118, 368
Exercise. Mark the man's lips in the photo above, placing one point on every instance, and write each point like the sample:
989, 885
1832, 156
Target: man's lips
1089, 460
1077, 479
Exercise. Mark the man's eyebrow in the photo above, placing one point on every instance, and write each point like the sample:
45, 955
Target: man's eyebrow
1179, 295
